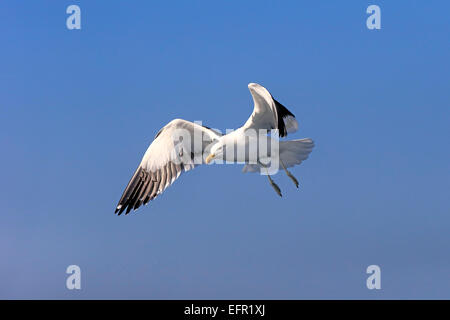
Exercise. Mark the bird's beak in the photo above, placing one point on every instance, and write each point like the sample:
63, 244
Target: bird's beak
210, 157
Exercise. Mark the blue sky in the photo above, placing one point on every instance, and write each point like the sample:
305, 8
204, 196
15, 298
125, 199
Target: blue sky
80, 107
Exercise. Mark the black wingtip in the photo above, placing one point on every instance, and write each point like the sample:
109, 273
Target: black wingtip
282, 112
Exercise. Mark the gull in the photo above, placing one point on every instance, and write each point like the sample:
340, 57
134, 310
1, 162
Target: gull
176, 148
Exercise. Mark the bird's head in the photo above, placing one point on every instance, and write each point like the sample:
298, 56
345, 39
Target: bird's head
216, 152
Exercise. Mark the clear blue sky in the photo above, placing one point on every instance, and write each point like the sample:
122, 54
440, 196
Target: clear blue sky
80, 107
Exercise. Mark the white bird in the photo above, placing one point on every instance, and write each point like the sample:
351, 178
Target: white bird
169, 155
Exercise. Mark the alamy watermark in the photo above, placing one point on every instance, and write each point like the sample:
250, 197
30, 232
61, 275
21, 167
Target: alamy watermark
74, 280
374, 280
74, 20
374, 20
250, 146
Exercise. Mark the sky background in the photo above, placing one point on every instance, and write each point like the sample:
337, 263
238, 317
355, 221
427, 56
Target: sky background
80, 107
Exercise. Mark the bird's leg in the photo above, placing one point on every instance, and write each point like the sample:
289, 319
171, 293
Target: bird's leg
272, 183
290, 175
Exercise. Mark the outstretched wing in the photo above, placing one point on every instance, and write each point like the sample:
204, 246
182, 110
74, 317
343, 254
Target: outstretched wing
177, 147
268, 113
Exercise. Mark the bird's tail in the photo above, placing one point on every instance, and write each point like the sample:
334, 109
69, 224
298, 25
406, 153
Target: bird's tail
291, 153
295, 151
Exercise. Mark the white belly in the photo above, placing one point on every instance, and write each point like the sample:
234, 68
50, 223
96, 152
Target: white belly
249, 147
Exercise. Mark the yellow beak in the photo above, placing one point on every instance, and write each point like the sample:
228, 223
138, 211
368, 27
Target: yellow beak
209, 158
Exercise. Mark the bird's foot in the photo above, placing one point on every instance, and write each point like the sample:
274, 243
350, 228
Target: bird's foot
292, 178
289, 174
275, 187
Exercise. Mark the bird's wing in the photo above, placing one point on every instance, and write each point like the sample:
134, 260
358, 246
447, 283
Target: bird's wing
177, 147
268, 113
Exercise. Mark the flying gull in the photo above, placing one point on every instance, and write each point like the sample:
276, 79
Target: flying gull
182, 145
